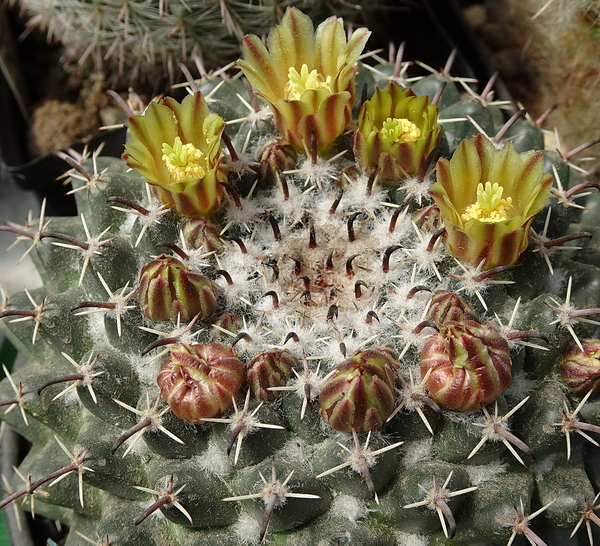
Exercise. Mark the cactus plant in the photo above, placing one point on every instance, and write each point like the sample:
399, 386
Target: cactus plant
328, 356
149, 40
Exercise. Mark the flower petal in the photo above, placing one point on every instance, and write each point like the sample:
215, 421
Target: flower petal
330, 40
291, 43
258, 67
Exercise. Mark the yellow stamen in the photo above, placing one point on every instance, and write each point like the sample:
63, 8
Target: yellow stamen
183, 160
489, 207
400, 130
300, 82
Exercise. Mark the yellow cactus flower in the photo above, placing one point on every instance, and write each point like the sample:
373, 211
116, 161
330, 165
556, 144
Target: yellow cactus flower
306, 76
177, 149
397, 131
488, 198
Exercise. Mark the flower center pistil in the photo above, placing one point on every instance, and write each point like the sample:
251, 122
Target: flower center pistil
400, 130
489, 208
298, 82
183, 161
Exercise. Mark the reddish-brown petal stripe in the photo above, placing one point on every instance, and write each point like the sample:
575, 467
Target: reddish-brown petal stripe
509, 248
404, 156
523, 186
482, 148
341, 415
443, 172
258, 68
388, 170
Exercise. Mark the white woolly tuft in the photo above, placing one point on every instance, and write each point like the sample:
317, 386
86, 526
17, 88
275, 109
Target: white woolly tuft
355, 194
483, 473
405, 332
296, 451
214, 460
520, 387
291, 209
557, 283
247, 530
250, 210
319, 174
399, 298
243, 165
96, 327
418, 191
416, 451
405, 539
544, 466
336, 356
126, 227
465, 418
348, 508
425, 259
147, 371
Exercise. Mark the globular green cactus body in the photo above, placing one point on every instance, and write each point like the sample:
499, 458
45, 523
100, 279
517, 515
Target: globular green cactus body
296, 404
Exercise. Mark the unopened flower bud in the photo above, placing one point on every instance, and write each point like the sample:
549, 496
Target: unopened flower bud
200, 381
275, 157
467, 365
359, 395
201, 233
580, 371
428, 218
270, 369
225, 324
446, 307
168, 289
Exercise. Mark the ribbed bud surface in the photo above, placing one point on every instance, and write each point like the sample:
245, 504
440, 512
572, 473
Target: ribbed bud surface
275, 157
200, 232
581, 371
469, 365
270, 369
200, 381
428, 218
359, 395
447, 307
168, 289
227, 321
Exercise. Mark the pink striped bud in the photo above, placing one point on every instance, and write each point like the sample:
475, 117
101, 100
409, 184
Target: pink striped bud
580, 371
200, 381
275, 157
270, 369
359, 395
168, 289
200, 232
446, 307
467, 365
